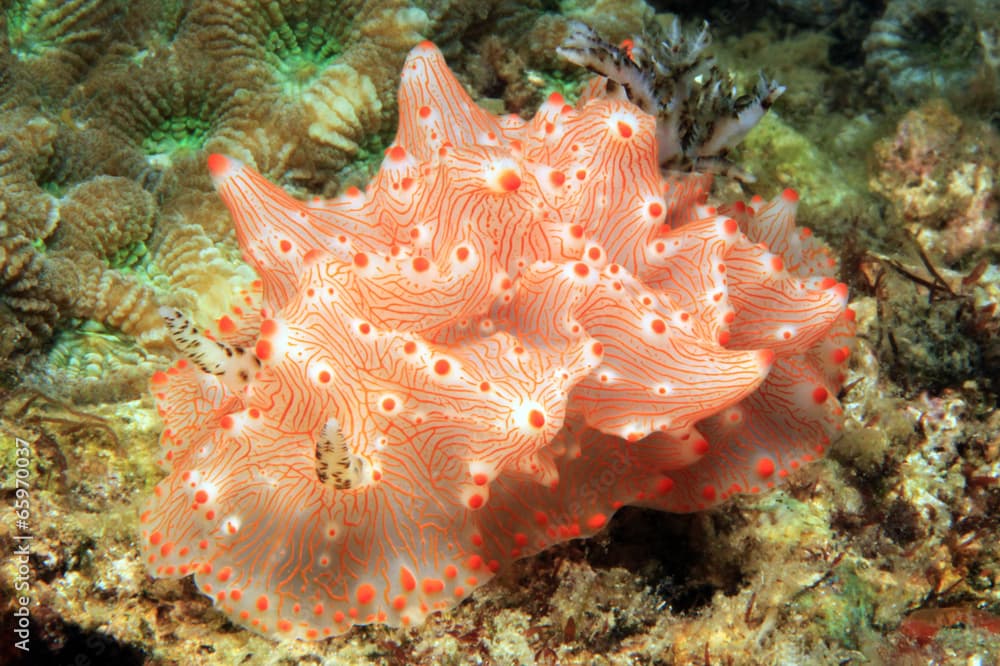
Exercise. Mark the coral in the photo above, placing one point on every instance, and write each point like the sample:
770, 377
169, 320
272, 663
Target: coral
812, 12
514, 344
938, 176
103, 216
26, 217
90, 363
108, 111
160, 111
118, 300
317, 76
26, 144
918, 47
55, 42
68, 222
57, 250
26, 318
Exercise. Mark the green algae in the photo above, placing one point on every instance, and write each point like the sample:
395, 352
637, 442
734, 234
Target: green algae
780, 156
847, 608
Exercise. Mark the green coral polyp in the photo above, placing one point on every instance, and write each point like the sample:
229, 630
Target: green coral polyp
301, 53
177, 134
53, 188
21, 23
84, 348
37, 26
371, 151
129, 257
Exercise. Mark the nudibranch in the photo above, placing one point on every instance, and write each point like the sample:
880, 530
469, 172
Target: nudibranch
517, 328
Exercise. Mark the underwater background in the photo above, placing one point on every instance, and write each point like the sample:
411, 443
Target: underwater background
886, 552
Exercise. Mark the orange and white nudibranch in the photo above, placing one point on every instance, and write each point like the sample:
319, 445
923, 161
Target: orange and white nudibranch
516, 329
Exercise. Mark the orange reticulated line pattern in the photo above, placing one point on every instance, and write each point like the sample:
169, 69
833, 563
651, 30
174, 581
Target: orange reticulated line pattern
516, 329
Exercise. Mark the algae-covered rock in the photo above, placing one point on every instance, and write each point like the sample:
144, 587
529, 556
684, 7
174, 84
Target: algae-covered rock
781, 156
938, 175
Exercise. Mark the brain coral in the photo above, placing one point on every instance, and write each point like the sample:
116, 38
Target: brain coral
57, 240
107, 110
310, 76
55, 42
516, 329
920, 48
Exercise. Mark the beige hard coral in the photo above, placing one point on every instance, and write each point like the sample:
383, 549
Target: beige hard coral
105, 203
57, 251
295, 88
25, 318
203, 277
101, 222
25, 149
26, 213
157, 112
91, 363
312, 76
102, 215
53, 43
938, 174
